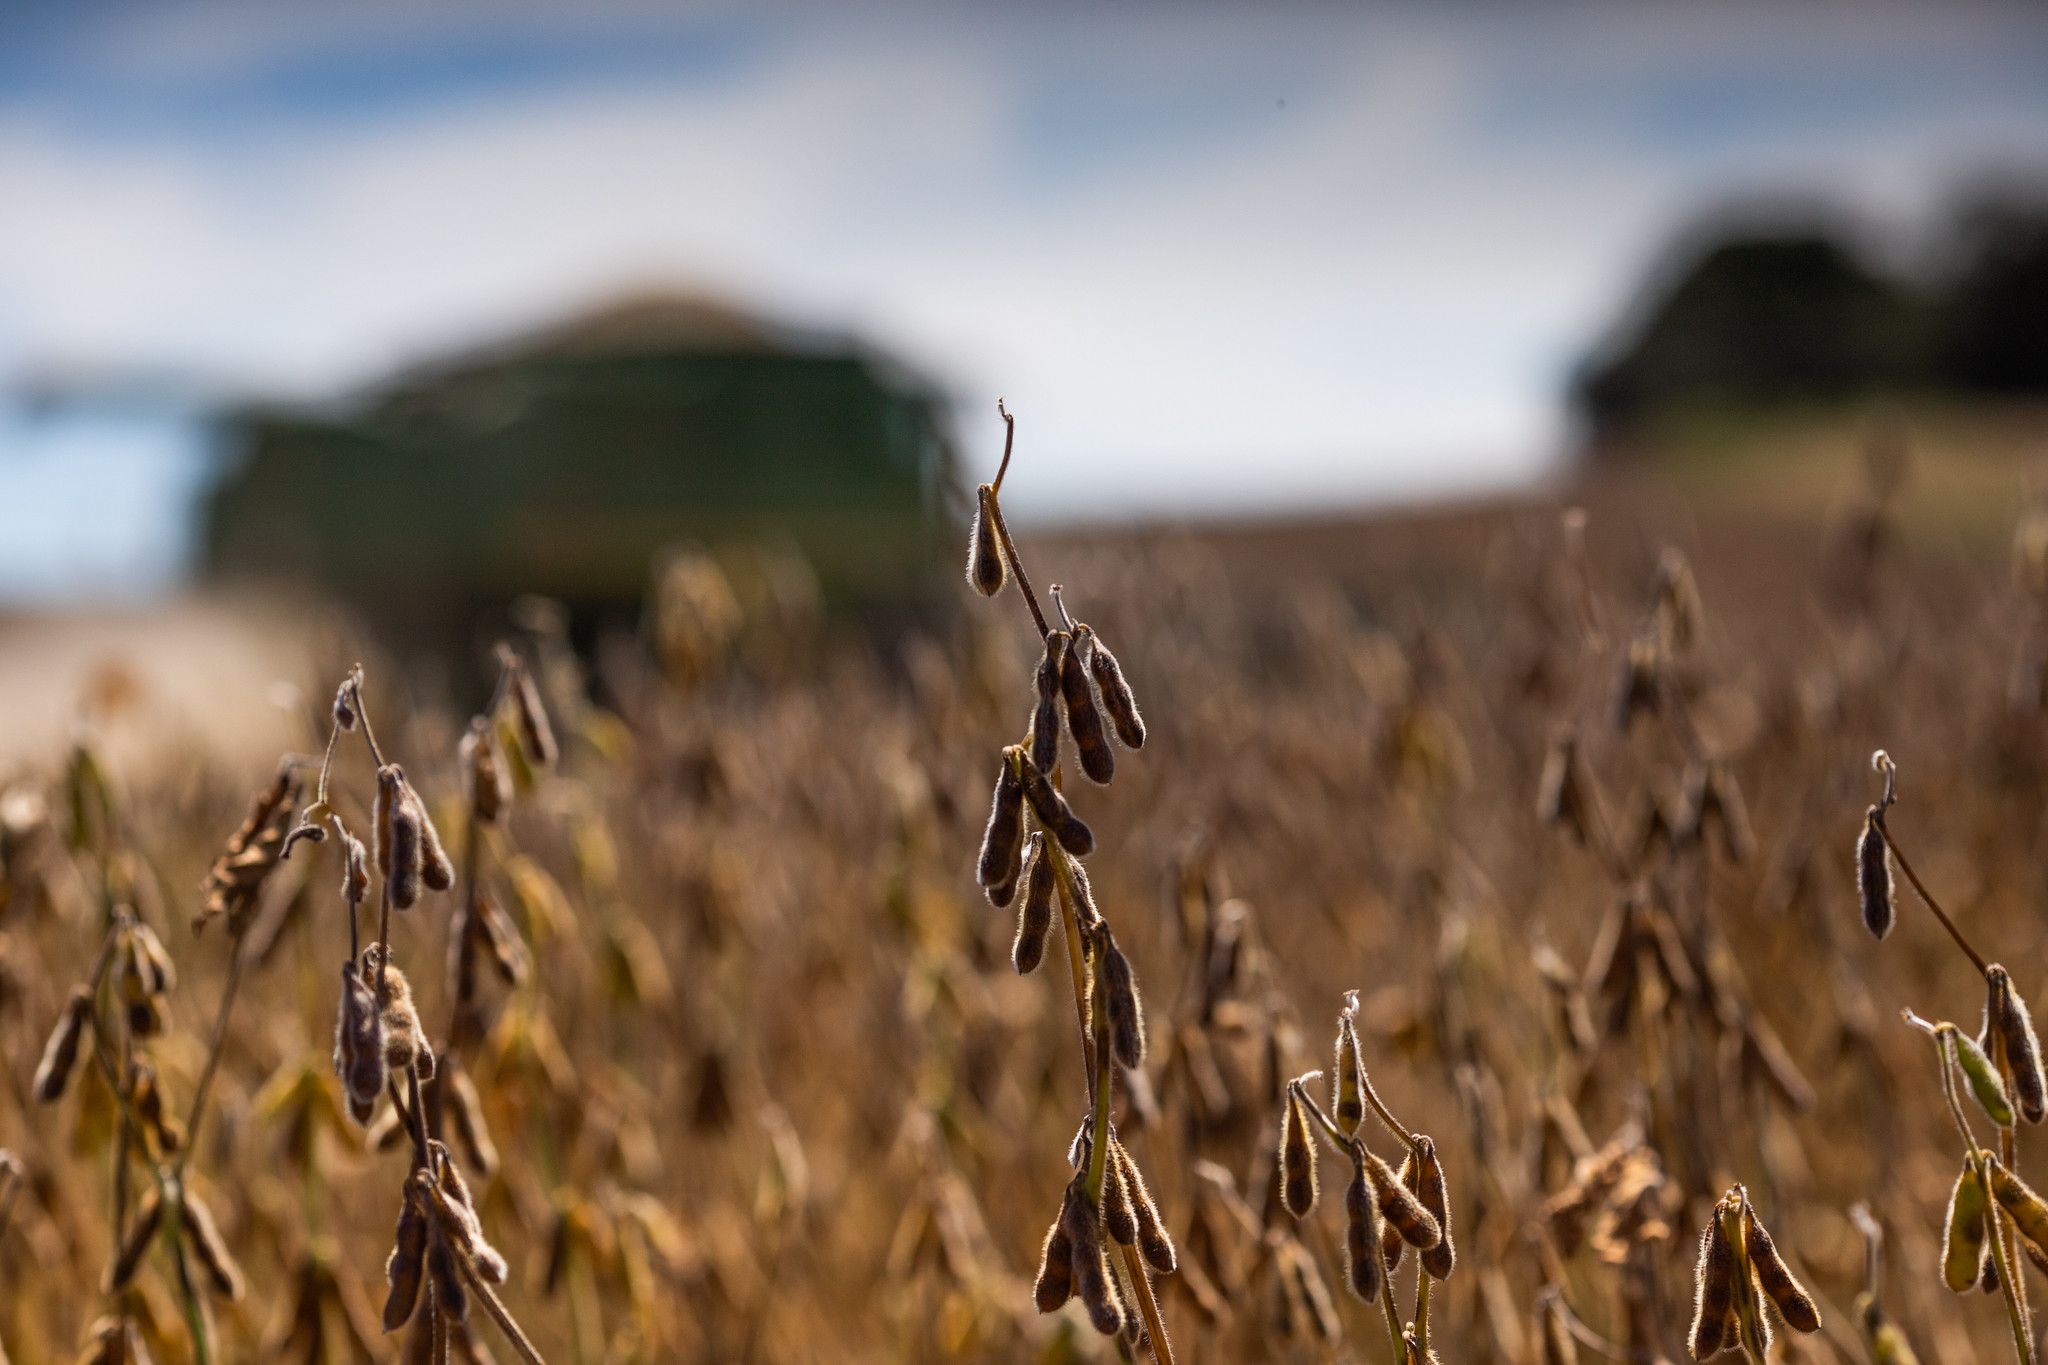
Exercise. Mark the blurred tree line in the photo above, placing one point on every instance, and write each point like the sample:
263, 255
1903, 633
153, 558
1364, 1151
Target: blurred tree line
1802, 311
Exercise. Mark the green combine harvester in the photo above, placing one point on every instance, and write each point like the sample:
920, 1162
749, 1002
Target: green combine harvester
572, 463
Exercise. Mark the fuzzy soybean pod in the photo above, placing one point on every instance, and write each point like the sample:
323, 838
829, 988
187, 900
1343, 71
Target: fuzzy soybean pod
1362, 1234
398, 837
1045, 715
1034, 916
536, 734
1093, 1280
1874, 876
359, 1044
1297, 1159
1153, 1241
1126, 1009
1430, 1188
437, 870
406, 1266
2029, 1214
1983, 1078
1392, 1243
2007, 1013
1713, 1304
1084, 721
1964, 1243
1002, 844
1118, 1219
1775, 1278
1052, 810
985, 570
60, 1053
1055, 1284
1347, 1076
1399, 1206
1116, 695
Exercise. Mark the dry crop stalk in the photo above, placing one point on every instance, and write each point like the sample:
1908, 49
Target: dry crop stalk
380, 1043
1412, 1207
1106, 1001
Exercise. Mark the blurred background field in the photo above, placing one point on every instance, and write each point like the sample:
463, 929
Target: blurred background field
1424, 404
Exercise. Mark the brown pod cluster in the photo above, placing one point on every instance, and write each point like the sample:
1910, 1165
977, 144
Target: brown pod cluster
2006, 1015
223, 1273
1126, 1010
409, 852
1093, 1280
1713, 1307
1045, 714
1053, 812
1084, 721
1034, 916
1874, 876
1002, 844
359, 1044
1430, 1188
1362, 1236
406, 1267
1297, 1159
1116, 694
60, 1053
985, 571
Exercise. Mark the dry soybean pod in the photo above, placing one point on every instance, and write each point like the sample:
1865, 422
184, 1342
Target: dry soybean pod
2022, 1048
1399, 1206
1002, 844
1045, 715
1034, 916
60, 1053
1874, 875
985, 572
1347, 1079
1084, 721
1431, 1189
1775, 1278
1297, 1159
1153, 1240
2029, 1214
1052, 809
1713, 1302
1116, 695
1362, 1233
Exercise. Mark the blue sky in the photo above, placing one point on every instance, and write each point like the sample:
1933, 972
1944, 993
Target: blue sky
1218, 258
